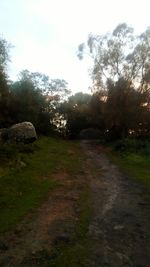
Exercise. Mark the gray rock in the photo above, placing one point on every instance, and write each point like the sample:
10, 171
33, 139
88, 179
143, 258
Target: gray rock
23, 132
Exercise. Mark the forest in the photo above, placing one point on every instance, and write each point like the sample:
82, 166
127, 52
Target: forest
119, 102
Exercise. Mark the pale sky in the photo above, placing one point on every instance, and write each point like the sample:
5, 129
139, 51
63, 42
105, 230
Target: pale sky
46, 33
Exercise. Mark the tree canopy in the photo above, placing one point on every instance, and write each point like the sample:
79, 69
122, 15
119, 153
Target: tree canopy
121, 78
119, 54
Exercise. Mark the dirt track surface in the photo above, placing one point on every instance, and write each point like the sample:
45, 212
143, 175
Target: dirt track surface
119, 230
120, 227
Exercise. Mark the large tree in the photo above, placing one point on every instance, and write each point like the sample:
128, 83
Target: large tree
119, 54
36, 98
121, 69
4, 89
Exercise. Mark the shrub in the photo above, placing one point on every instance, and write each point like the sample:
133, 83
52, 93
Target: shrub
132, 145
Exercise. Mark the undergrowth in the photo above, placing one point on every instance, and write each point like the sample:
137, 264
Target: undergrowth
133, 156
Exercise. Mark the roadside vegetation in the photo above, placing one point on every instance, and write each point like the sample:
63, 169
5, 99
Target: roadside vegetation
133, 156
27, 178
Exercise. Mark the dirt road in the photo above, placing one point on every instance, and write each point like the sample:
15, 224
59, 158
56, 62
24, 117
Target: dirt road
118, 234
120, 227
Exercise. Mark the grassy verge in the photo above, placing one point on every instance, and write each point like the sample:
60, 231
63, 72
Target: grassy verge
27, 180
137, 165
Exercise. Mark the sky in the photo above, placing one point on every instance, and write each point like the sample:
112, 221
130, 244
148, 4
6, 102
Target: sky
45, 34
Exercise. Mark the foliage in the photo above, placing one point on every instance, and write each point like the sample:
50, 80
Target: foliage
35, 98
4, 89
4, 101
4, 53
77, 114
132, 145
120, 101
28, 103
136, 165
120, 54
121, 76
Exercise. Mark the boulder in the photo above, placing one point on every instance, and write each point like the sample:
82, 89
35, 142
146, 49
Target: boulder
23, 132
90, 133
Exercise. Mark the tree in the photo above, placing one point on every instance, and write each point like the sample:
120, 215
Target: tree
76, 113
36, 99
4, 89
43, 83
4, 53
121, 69
28, 102
122, 108
97, 107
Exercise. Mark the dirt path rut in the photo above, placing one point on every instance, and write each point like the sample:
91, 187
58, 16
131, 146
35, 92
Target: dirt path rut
120, 226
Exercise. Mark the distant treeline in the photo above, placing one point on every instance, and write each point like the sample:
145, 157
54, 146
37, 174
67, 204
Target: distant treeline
119, 105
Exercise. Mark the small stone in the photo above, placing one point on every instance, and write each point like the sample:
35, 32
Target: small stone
118, 227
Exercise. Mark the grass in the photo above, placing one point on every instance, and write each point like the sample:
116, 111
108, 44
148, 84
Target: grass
23, 188
74, 253
137, 165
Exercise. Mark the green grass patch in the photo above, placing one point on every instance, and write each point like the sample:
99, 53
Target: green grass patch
23, 187
137, 165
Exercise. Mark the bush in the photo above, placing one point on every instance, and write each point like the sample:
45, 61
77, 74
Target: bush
9, 152
132, 145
